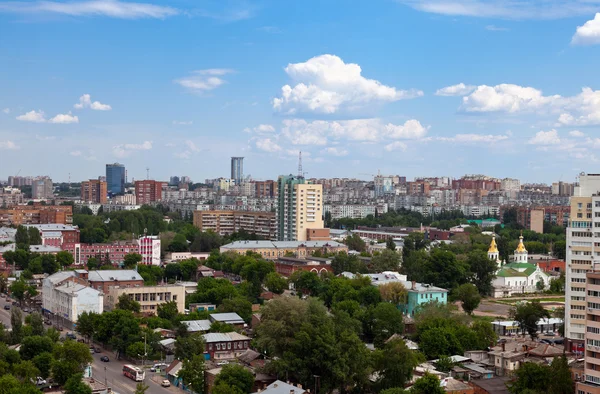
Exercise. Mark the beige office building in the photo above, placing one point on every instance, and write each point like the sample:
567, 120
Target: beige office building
149, 297
309, 209
590, 383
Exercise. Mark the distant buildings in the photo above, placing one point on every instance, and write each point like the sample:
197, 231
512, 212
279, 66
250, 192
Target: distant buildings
591, 351
67, 295
149, 248
148, 191
262, 224
115, 178
94, 191
225, 346
299, 208
275, 249
18, 181
237, 169
36, 214
149, 297
10, 196
41, 188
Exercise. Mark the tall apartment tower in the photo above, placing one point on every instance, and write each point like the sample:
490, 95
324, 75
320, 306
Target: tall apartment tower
94, 191
589, 383
299, 208
115, 178
582, 255
42, 188
148, 191
237, 169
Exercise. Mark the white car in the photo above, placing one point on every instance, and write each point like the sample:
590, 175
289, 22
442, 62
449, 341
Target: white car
40, 381
165, 383
221, 363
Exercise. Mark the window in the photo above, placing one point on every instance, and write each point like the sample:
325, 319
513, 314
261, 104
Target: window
218, 346
579, 205
228, 345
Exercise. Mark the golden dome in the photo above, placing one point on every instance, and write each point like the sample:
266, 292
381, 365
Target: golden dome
521, 246
493, 247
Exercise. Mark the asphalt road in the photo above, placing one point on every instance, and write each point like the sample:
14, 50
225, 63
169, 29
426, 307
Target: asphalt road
110, 372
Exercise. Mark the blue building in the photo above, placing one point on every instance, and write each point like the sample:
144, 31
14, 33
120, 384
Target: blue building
115, 178
237, 169
419, 293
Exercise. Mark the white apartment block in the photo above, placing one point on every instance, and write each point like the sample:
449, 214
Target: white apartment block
64, 297
510, 184
352, 211
582, 255
150, 249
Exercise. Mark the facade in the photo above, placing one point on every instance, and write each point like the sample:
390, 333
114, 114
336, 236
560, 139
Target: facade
591, 380
36, 214
226, 222
42, 188
67, 296
104, 280
10, 196
149, 248
115, 178
148, 191
299, 208
419, 293
237, 169
94, 191
224, 346
286, 266
581, 254
115, 252
276, 249
265, 189
57, 234
149, 297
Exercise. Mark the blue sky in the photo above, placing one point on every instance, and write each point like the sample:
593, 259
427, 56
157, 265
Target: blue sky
415, 87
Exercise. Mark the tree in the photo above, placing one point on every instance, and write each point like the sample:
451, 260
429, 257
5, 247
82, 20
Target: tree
64, 258
131, 260
395, 390
167, 310
394, 292
387, 260
43, 362
87, 323
531, 376
192, 373
390, 244
527, 314
224, 388
49, 264
444, 364
559, 249
22, 238
239, 305
34, 236
354, 242
469, 297
16, 321
306, 282
137, 350
275, 283
395, 364
33, 345
70, 358
427, 384
19, 290
189, 346
141, 388
483, 271
235, 375
445, 270
562, 380
178, 244
387, 321
92, 263
484, 331
26, 370
127, 303
75, 385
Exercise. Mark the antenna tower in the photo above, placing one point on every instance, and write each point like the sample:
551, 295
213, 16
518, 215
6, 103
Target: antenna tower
300, 172
147, 172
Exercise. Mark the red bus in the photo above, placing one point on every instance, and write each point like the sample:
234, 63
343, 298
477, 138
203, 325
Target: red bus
133, 372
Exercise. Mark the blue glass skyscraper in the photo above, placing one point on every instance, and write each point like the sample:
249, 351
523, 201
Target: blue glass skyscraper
115, 178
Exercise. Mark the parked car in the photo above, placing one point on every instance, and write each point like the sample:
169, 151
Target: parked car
7, 307
165, 383
221, 363
48, 322
71, 335
97, 350
104, 359
26, 310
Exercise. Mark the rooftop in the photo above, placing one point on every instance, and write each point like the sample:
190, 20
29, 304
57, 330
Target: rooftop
231, 317
53, 227
224, 337
280, 244
44, 249
197, 325
72, 288
279, 387
113, 275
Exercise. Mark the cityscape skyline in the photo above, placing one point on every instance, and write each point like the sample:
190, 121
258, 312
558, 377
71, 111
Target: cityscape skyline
347, 86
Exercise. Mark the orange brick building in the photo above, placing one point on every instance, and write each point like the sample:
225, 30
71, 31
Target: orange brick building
36, 214
94, 191
148, 191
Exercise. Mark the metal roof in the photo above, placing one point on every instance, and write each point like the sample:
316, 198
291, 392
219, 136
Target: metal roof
231, 317
223, 337
279, 244
197, 325
60, 276
53, 227
279, 387
72, 288
113, 275
44, 249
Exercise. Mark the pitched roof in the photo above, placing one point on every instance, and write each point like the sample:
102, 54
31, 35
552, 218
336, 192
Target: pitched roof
279, 387
197, 325
223, 337
231, 317
59, 277
509, 272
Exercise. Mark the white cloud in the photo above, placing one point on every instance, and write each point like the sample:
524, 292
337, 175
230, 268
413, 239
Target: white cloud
6, 110
64, 119
191, 146
75, 153
589, 33
582, 110
85, 101
474, 138
496, 28
32, 116
260, 129
170, 145
576, 133
455, 90
204, 80
508, 98
182, 122
267, 145
108, 8
327, 85
396, 145
335, 151
530, 9
8, 145
44, 137
125, 150
545, 138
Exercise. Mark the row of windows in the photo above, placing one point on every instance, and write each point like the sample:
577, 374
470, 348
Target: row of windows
588, 206
581, 234
593, 342
593, 305
593, 293
581, 317
577, 288
576, 298
578, 307
588, 215
581, 253
227, 346
581, 243
593, 330
578, 280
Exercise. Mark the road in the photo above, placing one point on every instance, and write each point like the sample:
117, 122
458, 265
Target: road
110, 372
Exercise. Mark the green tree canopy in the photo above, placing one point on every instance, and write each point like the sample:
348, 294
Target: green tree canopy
235, 375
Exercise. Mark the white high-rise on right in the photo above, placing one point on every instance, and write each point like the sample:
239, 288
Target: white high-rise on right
582, 256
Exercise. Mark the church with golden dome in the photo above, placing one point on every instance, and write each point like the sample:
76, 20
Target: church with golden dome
519, 276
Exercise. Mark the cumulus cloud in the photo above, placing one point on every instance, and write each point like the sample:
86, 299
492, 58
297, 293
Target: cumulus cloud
85, 101
125, 150
326, 85
508, 98
204, 80
260, 129
531, 9
335, 151
545, 138
32, 116
8, 145
394, 146
589, 33
107, 8
75, 153
455, 90
582, 110
267, 145
64, 119
576, 133
474, 138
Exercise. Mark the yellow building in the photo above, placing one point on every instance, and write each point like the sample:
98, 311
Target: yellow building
149, 297
309, 209
262, 224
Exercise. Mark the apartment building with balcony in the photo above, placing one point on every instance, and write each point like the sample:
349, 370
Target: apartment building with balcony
590, 381
149, 297
299, 208
263, 224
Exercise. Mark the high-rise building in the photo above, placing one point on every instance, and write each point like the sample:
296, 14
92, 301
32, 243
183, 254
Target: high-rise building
115, 178
94, 191
237, 169
589, 383
299, 208
41, 188
174, 181
148, 191
582, 255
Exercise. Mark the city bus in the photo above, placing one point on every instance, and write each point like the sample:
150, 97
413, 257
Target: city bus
133, 372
